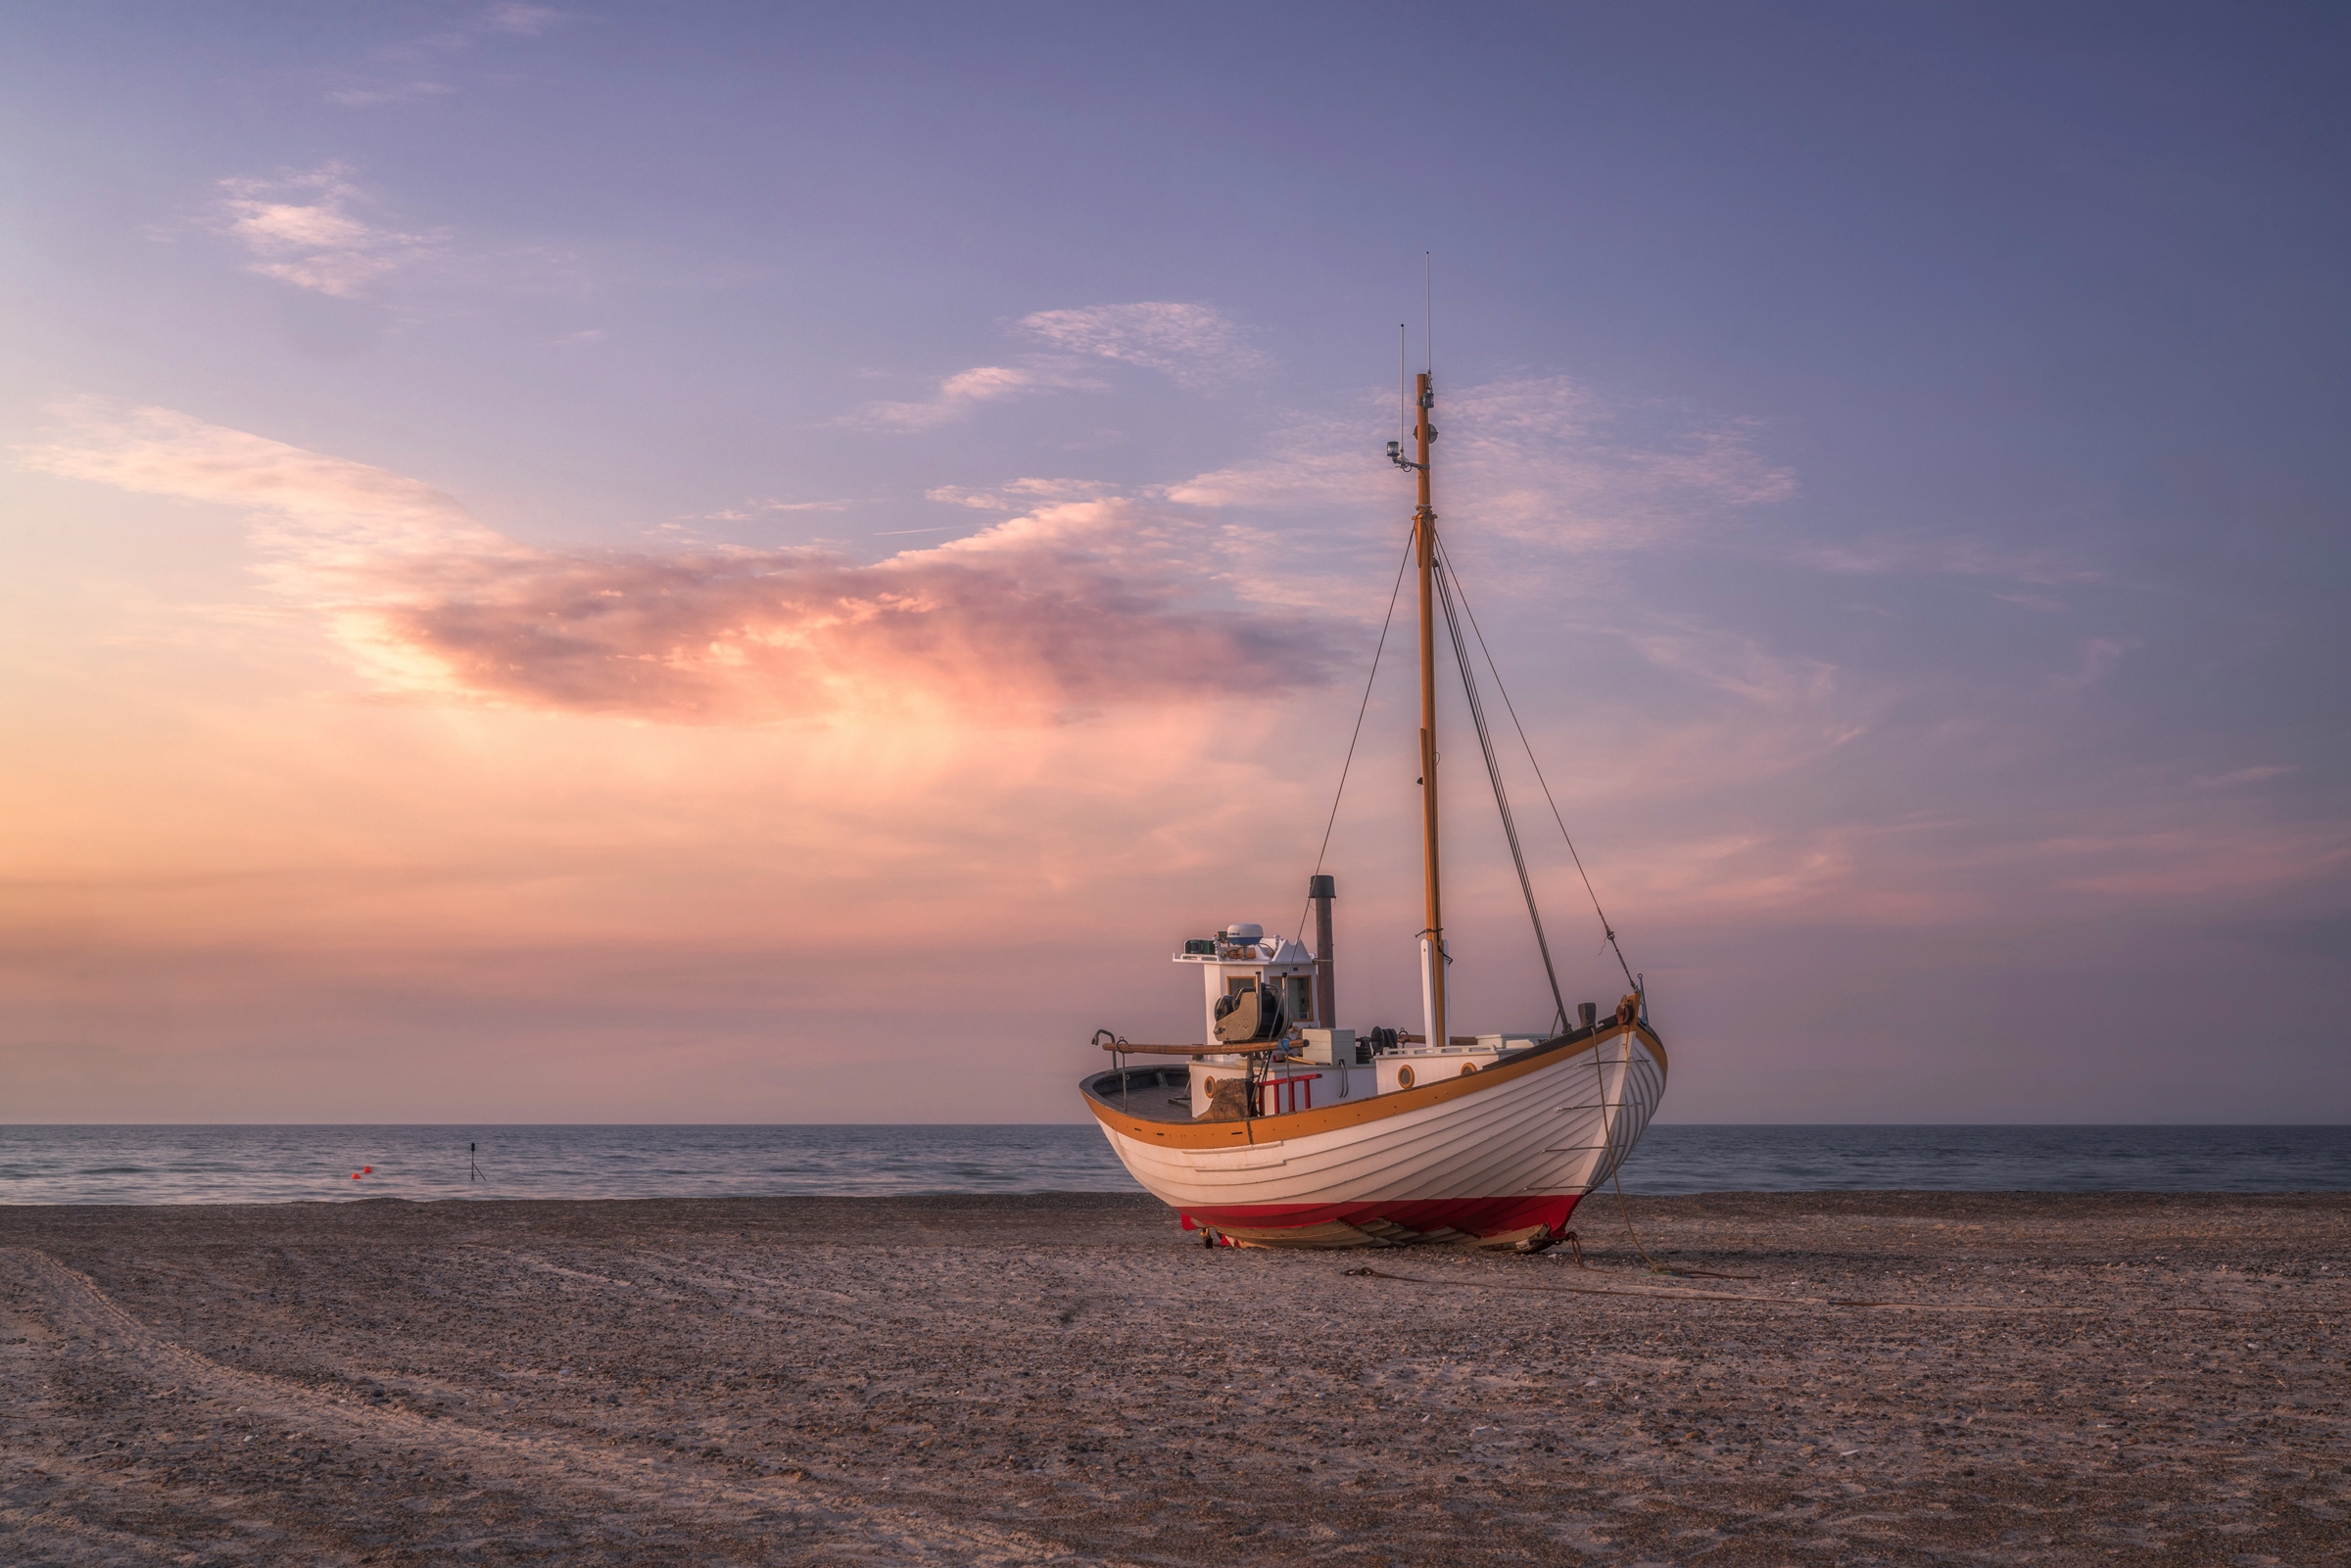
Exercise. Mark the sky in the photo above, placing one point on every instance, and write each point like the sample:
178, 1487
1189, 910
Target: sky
770, 563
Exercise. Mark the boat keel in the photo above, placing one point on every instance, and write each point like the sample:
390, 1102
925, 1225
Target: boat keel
1488, 1224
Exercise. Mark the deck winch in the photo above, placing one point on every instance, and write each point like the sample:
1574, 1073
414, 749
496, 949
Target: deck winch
1251, 1014
1257, 986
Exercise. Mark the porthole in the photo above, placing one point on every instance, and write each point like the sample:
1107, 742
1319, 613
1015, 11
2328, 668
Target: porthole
1468, 1067
1404, 1077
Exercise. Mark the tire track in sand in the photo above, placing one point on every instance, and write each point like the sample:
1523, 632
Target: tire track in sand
397, 1481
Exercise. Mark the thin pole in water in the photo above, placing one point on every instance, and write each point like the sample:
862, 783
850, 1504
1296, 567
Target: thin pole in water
472, 1165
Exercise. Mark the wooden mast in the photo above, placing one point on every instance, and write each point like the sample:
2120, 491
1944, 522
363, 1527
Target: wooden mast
1425, 546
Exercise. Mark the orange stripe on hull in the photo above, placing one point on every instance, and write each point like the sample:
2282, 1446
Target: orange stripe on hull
1358, 1112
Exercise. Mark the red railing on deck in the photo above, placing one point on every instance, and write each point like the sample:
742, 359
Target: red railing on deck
1292, 1091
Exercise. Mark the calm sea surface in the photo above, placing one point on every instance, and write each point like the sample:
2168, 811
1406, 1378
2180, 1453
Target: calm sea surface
149, 1164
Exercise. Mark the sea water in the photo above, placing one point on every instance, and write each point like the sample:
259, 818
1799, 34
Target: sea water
181, 1164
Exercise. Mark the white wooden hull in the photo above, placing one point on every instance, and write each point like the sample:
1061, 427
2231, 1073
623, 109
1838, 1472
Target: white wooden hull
1499, 1157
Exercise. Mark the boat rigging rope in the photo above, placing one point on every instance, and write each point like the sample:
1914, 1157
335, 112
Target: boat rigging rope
1501, 798
1449, 589
1607, 930
1449, 585
1362, 708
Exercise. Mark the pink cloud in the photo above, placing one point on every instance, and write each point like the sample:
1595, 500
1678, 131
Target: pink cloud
1018, 493
1196, 344
964, 391
1038, 620
1068, 607
303, 227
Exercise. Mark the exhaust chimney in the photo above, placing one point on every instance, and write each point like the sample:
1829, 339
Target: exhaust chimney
1322, 889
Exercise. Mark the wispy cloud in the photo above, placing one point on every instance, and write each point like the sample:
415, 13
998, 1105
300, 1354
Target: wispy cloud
1742, 873
322, 230
1922, 555
408, 81
2145, 856
327, 512
1309, 464
1069, 607
508, 21
2245, 775
366, 94
306, 229
2095, 661
1545, 458
1538, 458
520, 21
959, 394
1740, 666
750, 509
1020, 493
1193, 343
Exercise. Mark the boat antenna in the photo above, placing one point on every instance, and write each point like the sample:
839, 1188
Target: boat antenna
1428, 308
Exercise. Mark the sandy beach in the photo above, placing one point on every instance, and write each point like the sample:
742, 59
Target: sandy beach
1829, 1378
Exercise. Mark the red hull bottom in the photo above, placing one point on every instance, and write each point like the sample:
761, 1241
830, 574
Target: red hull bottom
1539, 1219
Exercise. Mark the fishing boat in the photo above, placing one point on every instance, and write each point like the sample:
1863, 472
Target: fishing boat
1281, 1128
